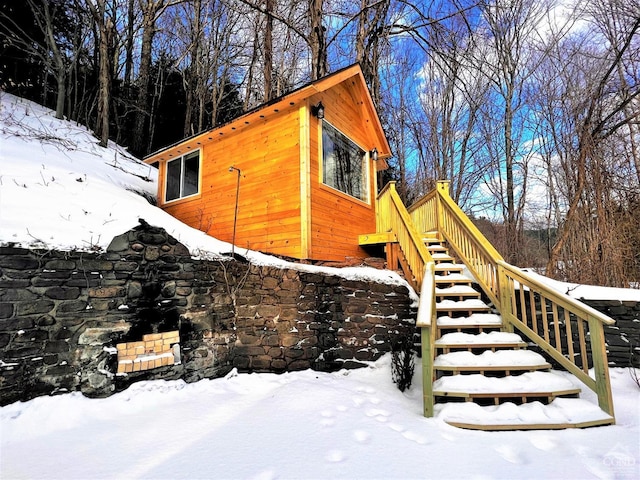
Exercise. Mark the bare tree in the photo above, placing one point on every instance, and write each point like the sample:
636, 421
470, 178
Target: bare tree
54, 50
598, 163
103, 17
506, 44
150, 11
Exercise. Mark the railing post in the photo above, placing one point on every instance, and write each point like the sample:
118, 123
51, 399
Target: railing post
504, 296
426, 334
442, 187
600, 366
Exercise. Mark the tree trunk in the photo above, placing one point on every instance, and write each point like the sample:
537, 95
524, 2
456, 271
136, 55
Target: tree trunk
317, 41
128, 63
268, 52
149, 13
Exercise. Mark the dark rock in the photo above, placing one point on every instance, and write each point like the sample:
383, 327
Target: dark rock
63, 293
19, 262
35, 307
60, 265
119, 243
17, 295
6, 310
57, 346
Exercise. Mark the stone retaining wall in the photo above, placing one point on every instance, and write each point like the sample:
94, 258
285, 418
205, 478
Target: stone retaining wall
63, 313
623, 339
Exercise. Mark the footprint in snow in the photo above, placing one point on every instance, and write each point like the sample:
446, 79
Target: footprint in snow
367, 389
361, 436
395, 427
335, 456
377, 413
544, 443
266, 475
327, 418
414, 437
511, 454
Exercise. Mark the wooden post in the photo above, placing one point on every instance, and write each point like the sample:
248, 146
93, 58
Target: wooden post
600, 366
442, 187
391, 249
427, 369
504, 295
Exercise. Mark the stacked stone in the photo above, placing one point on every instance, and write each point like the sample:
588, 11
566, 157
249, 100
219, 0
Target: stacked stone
63, 313
623, 339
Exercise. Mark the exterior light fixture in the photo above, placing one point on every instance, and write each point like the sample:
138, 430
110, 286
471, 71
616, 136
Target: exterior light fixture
374, 154
235, 214
318, 110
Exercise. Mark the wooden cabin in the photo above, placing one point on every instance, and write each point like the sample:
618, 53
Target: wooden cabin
304, 167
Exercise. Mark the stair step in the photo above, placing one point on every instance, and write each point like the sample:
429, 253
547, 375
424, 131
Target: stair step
453, 279
431, 239
559, 414
468, 305
459, 291
529, 384
448, 268
436, 247
475, 320
500, 360
442, 258
481, 340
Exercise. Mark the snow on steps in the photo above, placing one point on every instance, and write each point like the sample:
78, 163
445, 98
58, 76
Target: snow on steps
560, 413
538, 384
459, 291
481, 340
442, 256
448, 267
453, 278
473, 320
506, 360
462, 305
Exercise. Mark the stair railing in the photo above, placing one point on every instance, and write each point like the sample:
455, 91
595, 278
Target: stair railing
441, 213
567, 330
392, 216
426, 322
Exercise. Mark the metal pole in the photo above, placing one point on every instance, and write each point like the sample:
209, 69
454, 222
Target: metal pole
235, 215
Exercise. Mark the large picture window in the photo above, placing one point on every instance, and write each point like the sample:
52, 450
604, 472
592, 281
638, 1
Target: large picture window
343, 164
183, 177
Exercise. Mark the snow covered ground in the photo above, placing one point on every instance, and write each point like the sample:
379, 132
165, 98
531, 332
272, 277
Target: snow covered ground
58, 189
302, 425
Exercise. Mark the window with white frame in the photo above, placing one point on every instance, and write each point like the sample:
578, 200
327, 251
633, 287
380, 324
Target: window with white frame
183, 177
344, 164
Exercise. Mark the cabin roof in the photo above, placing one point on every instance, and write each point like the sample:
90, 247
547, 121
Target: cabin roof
293, 98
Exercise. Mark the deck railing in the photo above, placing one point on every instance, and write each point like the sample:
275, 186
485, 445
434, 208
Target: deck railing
567, 330
392, 216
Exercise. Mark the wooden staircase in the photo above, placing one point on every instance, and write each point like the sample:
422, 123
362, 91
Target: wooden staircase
485, 377
477, 372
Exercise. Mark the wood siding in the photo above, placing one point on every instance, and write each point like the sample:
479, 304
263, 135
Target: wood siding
267, 153
284, 208
336, 218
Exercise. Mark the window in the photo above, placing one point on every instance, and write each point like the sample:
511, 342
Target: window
183, 177
343, 164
